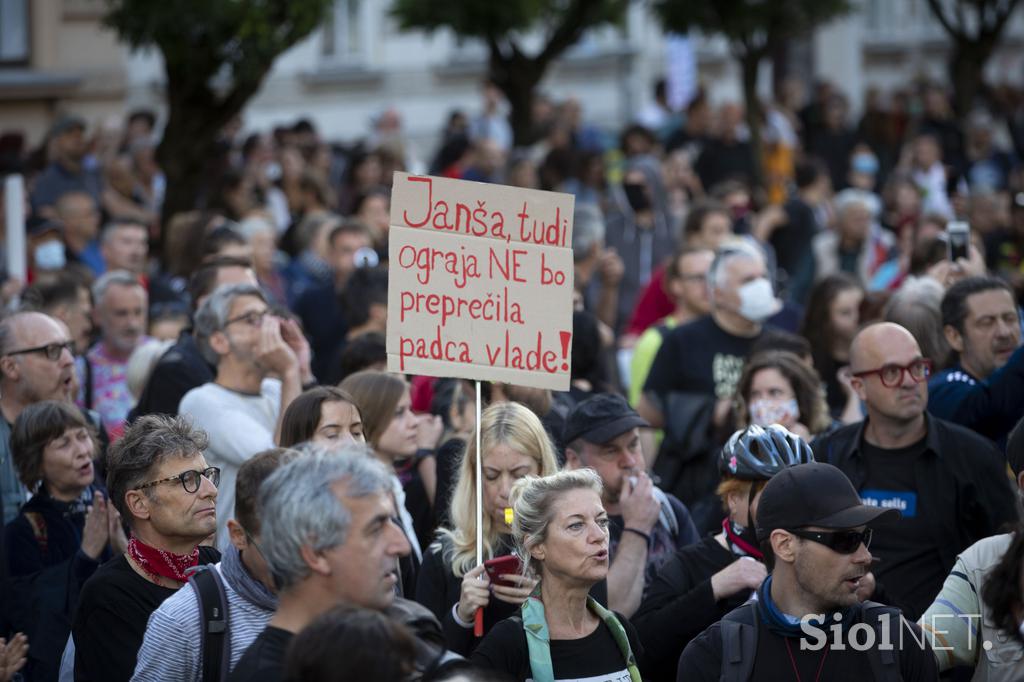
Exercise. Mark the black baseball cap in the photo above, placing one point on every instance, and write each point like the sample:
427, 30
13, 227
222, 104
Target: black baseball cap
813, 494
601, 418
38, 225
66, 123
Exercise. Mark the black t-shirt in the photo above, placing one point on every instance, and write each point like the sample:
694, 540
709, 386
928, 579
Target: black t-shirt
263, 661
178, 371
594, 658
680, 604
699, 357
910, 566
113, 611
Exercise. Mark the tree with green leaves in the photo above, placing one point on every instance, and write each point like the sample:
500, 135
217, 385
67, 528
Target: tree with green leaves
501, 25
975, 26
216, 54
755, 29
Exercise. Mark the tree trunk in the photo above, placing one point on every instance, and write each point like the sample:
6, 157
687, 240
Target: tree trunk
967, 73
517, 77
195, 117
520, 115
749, 64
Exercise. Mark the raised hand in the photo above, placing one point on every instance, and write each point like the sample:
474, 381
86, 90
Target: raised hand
743, 574
96, 532
13, 655
640, 509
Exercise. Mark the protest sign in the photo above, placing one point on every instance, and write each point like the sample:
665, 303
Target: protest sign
480, 282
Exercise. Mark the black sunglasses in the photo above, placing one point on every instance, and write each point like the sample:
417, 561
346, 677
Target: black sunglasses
841, 541
51, 350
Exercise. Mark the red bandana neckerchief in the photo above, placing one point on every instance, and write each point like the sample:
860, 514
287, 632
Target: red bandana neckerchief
158, 562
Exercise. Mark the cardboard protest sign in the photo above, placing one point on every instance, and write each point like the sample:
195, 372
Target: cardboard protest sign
480, 281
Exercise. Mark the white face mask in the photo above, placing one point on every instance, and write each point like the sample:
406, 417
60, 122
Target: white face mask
765, 412
50, 256
757, 300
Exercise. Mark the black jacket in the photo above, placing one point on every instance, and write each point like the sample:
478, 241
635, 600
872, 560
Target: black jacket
750, 650
680, 604
438, 589
959, 467
177, 372
47, 570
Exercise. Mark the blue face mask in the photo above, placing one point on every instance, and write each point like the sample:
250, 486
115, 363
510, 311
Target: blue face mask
864, 163
50, 256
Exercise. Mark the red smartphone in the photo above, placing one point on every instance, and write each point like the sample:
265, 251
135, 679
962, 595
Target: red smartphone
503, 565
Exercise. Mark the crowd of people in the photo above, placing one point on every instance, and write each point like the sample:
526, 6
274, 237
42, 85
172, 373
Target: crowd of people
790, 448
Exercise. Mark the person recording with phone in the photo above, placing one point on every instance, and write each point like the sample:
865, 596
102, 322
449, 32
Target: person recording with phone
451, 584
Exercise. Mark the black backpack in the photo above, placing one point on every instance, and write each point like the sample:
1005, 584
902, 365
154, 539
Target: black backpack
739, 642
215, 644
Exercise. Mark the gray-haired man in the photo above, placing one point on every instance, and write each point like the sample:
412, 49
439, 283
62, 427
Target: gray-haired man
329, 538
120, 315
693, 378
262, 362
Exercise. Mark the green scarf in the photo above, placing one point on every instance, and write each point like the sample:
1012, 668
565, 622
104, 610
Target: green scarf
538, 638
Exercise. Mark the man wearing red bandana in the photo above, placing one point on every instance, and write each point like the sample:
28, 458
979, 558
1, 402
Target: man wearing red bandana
159, 480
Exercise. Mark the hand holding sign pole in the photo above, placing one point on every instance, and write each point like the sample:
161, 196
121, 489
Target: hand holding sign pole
480, 287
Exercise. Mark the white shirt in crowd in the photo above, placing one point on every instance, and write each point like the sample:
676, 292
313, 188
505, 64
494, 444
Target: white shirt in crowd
238, 426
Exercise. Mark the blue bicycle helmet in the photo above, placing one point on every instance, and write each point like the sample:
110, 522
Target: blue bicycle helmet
759, 452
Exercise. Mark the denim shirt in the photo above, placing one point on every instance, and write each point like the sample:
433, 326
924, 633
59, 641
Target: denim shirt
12, 493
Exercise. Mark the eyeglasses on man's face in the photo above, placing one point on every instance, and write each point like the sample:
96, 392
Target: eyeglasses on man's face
253, 318
190, 480
52, 351
892, 375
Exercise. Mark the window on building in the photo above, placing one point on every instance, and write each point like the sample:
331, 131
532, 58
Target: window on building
14, 40
343, 36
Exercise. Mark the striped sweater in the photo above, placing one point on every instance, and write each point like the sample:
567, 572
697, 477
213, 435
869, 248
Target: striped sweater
170, 650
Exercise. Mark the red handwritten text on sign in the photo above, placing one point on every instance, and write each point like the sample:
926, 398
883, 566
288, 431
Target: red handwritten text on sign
480, 281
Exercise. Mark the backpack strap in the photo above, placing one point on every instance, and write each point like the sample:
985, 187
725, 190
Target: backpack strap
87, 394
885, 662
38, 525
739, 643
214, 647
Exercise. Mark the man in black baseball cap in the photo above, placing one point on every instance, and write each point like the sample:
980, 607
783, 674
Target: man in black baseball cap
808, 621
646, 525
67, 171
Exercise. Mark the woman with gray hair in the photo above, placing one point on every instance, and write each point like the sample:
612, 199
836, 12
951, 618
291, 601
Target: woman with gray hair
560, 529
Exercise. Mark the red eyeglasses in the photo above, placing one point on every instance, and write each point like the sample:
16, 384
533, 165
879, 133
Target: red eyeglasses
892, 375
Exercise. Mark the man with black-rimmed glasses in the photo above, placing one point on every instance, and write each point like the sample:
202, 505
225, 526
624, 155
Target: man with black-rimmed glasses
159, 480
36, 363
950, 484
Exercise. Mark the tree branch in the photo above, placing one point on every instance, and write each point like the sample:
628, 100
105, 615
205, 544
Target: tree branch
568, 31
1002, 17
939, 13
